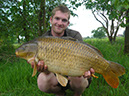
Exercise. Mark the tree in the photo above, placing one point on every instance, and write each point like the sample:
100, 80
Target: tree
124, 4
99, 33
105, 13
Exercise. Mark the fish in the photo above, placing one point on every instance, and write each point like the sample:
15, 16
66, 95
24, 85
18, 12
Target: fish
67, 56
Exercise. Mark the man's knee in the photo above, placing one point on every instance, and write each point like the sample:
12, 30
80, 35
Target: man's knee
43, 82
79, 83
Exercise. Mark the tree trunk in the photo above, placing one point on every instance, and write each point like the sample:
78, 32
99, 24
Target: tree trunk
40, 19
42, 15
116, 33
110, 39
126, 47
24, 22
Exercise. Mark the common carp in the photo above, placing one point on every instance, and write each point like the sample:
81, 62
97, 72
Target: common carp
69, 57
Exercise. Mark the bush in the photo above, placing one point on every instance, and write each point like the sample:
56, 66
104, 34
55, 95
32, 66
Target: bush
7, 52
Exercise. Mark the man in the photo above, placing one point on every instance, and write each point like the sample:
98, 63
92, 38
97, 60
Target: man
47, 81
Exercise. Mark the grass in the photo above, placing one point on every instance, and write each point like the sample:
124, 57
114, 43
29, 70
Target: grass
16, 80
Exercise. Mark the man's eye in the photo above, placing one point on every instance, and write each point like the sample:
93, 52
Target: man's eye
64, 20
57, 18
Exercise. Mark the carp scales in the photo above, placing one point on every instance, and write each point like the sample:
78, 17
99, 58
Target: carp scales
69, 57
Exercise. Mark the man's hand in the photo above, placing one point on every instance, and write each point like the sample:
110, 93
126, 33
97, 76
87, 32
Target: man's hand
89, 73
41, 67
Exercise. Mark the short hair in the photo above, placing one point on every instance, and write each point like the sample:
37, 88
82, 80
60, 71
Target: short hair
61, 8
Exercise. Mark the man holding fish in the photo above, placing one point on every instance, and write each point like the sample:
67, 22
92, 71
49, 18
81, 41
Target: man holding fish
47, 81
63, 59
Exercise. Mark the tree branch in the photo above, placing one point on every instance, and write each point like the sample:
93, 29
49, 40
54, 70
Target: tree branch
101, 23
102, 17
106, 21
97, 19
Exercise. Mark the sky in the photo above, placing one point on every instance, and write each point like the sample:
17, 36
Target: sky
85, 22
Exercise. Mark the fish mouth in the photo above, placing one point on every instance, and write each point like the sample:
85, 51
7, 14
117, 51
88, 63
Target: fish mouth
19, 54
16, 53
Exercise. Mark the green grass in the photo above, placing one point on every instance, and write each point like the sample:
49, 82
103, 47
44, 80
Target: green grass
16, 80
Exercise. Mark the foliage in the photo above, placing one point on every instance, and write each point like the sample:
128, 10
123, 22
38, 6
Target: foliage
109, 16
124, 4
121, 4
27, 19
99, 33
16, 80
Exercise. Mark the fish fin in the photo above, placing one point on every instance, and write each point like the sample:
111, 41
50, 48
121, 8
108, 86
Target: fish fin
112, 72
34, 70
66, 38
61, 79
94, 76
117, 68
69, 38
111, 78
97, 50
35, 66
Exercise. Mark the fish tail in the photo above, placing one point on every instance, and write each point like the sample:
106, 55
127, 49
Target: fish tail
111, 78
117, 68
112, 73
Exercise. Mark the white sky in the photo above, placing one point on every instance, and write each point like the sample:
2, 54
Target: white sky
85, 22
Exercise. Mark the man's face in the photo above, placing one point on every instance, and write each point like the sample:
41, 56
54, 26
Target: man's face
59, 22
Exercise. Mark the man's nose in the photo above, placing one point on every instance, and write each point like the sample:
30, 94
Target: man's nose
60, 21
